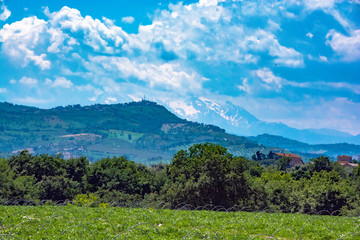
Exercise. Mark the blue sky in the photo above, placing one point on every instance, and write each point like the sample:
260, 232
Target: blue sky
294, 61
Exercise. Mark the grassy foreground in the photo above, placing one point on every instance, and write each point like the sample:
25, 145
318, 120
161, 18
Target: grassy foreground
72, 222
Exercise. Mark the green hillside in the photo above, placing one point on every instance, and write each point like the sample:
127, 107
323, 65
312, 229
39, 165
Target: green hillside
142, 131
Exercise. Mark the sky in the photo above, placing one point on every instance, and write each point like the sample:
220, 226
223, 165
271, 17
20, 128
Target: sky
290, 61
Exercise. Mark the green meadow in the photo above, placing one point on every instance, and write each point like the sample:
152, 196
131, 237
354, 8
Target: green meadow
104, 222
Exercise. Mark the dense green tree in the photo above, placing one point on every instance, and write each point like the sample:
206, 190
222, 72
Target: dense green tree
25, 164
6, 179
23, 187
117, 174
357, 171
321, 163
300, 171
206, 174
77, 170
283, 163
58, 188
325, 191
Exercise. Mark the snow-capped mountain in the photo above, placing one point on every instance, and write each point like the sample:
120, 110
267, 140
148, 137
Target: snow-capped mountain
235, 119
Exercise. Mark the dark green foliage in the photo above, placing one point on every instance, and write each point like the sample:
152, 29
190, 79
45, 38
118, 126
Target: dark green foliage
118, 174
58, 188
206, 174
203, 174
283, 163
298, 172
321, 164
25, 164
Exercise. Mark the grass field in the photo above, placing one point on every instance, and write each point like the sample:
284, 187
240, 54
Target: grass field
72, 222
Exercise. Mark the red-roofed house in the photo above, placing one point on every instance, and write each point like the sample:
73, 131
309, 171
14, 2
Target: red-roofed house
295, 159
344, 158
346, 161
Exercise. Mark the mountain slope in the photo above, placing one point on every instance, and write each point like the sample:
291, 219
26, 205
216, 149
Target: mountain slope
237, 120
143, 131
310, 149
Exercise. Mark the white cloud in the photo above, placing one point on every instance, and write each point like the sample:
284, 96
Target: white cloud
59, 82
97, 93
12, 81
319, 58
103, 37
309, 35
162, 76
4, 12
128, 19
319, 4
346, 47
28, 81
3, 90
329, 7
245, 86
21, 38
263, 40
110, 100
269, 80
323, 59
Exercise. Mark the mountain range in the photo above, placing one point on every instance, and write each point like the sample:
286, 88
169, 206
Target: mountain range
142, 131
235, 119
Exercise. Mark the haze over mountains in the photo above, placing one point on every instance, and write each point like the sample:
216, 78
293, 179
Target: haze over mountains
236, 120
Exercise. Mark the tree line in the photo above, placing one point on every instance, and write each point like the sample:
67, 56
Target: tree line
203, 174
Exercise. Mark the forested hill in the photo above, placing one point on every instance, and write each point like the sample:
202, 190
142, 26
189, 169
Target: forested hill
142, 131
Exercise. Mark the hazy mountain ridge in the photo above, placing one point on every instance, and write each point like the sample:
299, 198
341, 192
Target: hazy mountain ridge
143, 131
237, 120
332, 150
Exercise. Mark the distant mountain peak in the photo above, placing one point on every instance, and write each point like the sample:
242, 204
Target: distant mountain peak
237, 120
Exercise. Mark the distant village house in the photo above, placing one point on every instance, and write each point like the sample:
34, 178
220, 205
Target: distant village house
295, 159
346, 161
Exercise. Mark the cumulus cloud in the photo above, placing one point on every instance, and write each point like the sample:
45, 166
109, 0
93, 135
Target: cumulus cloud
28, 81
102, 37
4, 12
167, 76
21, 38
59, 82
348, 47
265, 41
110, 100
128, 19
172, 56
269, 80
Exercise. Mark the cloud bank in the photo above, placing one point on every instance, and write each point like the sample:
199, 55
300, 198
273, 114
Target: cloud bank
228, 50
